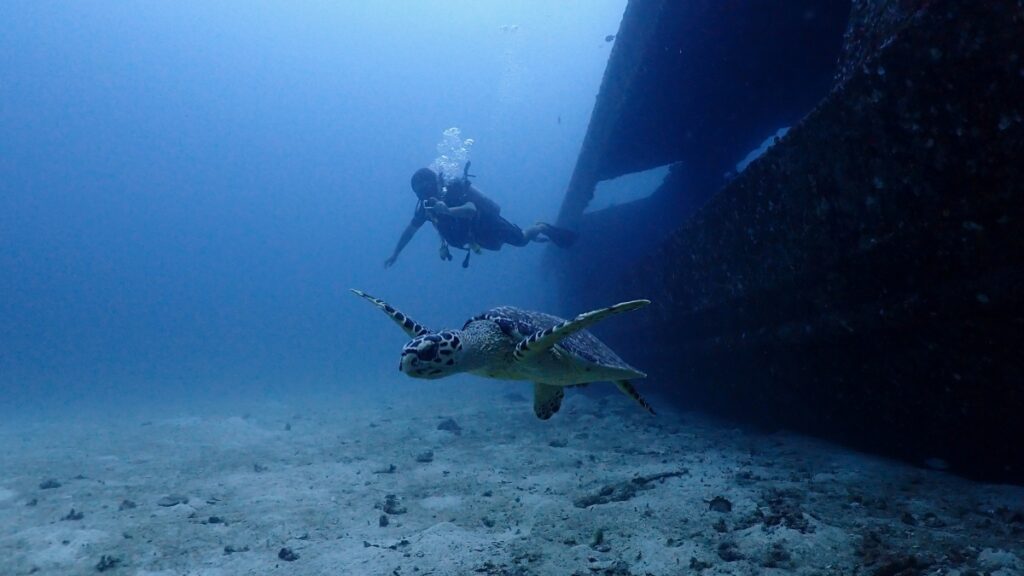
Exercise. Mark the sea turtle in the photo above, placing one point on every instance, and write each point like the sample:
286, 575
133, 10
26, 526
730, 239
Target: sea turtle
513, 344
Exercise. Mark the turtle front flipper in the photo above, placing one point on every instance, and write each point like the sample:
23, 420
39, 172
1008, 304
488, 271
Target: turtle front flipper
410, 326
543, 340
547, 400
628, 390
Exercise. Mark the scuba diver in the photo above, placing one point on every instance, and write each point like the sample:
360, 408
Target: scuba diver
468, 220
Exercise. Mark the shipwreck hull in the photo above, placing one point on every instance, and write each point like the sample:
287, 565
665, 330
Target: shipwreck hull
863, 280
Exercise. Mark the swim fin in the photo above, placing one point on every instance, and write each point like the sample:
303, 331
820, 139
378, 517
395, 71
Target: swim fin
561, 237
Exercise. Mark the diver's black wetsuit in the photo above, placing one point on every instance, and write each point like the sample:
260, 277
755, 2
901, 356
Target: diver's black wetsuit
487, 229
468, 220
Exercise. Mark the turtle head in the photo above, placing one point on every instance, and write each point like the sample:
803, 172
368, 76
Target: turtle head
433, 356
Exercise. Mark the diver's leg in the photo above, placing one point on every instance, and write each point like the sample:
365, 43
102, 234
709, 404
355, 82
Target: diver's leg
511, 234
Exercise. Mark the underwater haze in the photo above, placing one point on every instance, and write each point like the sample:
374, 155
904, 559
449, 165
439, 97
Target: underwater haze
188, 189
782, 234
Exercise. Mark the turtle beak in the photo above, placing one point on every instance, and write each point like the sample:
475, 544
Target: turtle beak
405, 364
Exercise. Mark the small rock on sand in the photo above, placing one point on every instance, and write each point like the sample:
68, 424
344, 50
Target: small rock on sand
107, 563
172, 500
719, 504
74, 515
392, 505
450, 425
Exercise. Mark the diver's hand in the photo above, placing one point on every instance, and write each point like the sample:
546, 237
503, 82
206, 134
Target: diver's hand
445, 253
390, 261
438, 208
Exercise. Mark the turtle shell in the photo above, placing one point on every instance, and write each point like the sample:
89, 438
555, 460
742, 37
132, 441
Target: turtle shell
517, 324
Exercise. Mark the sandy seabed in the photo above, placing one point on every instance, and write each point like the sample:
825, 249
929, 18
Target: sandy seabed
472, 483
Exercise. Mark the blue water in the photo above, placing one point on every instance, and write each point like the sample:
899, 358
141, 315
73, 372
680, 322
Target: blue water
188, 189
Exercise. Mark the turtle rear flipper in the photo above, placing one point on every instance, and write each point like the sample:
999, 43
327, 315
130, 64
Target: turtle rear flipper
543, 340
628, 390
547, 400
410, 326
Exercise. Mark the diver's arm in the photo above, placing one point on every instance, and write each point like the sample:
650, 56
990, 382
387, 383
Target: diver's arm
463, 211
407, 235
467, 210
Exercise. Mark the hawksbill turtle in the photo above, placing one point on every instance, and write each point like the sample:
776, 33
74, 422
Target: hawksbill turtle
509, 343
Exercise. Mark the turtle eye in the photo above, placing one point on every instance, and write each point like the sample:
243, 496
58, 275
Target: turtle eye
411, 352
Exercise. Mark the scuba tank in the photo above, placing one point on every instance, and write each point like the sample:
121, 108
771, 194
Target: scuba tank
444, 187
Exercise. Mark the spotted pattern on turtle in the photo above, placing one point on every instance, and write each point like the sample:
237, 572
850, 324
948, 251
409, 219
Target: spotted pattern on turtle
510, 343
520, 325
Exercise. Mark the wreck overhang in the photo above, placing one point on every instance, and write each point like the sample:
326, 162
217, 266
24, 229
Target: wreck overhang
703, 81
